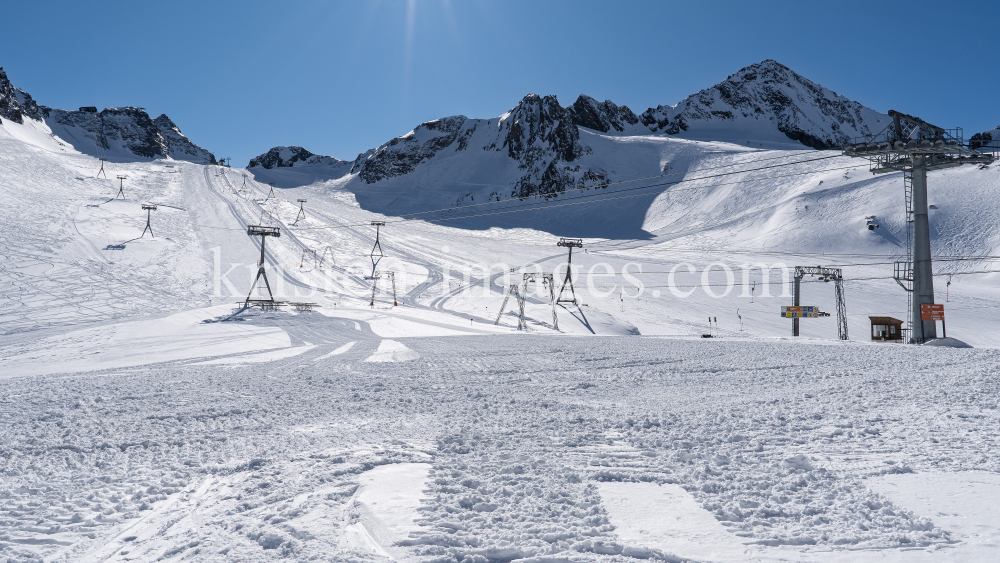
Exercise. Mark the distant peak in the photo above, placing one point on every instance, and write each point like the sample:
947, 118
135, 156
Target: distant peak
288, 156
768, 68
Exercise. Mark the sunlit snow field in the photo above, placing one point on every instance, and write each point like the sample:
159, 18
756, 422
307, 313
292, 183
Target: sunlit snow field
147, 418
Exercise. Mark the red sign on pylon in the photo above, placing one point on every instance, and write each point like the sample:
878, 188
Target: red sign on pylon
931, 312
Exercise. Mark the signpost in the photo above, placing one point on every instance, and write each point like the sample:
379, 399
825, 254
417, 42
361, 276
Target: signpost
805, 311
933, 312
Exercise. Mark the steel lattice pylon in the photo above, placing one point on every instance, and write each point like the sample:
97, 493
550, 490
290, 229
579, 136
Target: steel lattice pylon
522, 296
376, 258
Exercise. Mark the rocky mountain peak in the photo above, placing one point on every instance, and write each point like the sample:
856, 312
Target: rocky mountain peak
537, 148
538, 124
287, 157
763, 97
16, 104
124, 128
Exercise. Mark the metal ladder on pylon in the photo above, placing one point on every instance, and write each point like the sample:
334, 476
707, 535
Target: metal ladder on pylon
903, 271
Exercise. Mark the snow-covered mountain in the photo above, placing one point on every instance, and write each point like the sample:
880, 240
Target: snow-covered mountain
287, 157
764, 99
536, 148
125, 131
289, 167
535, 145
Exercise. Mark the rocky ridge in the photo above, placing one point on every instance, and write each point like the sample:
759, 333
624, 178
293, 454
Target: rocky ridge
124, 129
287, 157
541, 138
538, 136
606, 116
15, 104
769, 95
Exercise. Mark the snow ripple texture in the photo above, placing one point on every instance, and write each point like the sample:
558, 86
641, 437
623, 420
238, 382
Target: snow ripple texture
254, 464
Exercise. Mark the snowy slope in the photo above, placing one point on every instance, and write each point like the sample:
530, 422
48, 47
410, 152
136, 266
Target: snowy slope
737, 205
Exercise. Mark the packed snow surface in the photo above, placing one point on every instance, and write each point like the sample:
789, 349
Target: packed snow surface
149, 417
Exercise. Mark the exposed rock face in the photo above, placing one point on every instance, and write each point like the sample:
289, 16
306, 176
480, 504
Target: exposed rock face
538, 136
541, 136
605, 117
16, 104
176, 145
128, 129
401, 155
767, 96
287, 157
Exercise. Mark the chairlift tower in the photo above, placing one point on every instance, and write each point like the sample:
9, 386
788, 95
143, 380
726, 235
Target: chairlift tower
101, 171
302, 210
835, 275
263, 232
914, 147
569, 243
150, 208
322, 257
392, 277
271, 193
377, 257
121, 186
522, 296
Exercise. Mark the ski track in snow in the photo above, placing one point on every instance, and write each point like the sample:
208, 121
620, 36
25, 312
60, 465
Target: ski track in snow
258, 436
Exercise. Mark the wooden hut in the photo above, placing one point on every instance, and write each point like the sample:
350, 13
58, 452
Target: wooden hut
886, 329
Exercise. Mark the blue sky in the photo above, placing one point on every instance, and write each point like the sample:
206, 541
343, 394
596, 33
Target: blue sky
342, 77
